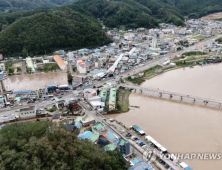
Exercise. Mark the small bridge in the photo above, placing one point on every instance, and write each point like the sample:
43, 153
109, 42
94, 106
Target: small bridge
174, 96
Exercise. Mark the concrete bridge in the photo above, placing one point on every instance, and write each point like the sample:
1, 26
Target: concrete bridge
174, 96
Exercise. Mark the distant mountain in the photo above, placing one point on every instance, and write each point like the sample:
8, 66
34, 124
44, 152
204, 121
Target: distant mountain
49, 31
9, 6
74, 26
195, 8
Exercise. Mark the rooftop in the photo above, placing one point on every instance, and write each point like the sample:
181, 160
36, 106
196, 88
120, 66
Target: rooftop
103, 93
93, 138
97, 126
59, 60
27, 108
87, 118
56, 116
78, 118
122, 141
110, 147
112, 96
85, 135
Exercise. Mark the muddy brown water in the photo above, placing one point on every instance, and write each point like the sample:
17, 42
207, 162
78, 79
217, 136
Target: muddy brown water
34, 81
180, 127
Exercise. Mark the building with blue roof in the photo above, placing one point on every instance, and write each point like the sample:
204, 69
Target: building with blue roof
138, 130
22, 91
51, 88
85, 135
78, 125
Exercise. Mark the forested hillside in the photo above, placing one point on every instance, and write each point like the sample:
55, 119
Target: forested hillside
44, 146
196, 8
9, 6
130, 13
49, 31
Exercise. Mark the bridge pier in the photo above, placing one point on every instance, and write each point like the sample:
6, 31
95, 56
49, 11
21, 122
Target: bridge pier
181, 98
194, 100
171, 96
160, 94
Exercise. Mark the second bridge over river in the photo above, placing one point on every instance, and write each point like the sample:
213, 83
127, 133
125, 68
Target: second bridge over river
174, 96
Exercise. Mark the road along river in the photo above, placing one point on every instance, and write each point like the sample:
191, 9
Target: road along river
181, 127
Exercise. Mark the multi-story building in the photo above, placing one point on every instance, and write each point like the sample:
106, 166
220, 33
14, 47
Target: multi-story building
112, 99
81, 66
123, 146
27, 112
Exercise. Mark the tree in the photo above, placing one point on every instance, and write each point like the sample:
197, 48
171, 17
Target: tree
74, 69
19, 69
42, 145
69, 76
29, 70
10, 70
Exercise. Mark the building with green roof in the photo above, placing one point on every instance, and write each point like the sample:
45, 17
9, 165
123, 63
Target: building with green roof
103, 95
98, 127
78, 119
110, 147
94, 137
112, 99
123, 146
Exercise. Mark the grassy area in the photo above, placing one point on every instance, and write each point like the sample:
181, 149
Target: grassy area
49, 67
147, 74
199, 37
53, 109
192, 53
123, 100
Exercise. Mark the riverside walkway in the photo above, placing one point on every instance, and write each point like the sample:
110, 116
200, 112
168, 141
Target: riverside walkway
174, 96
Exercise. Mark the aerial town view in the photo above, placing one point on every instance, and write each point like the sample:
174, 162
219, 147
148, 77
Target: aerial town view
110, 85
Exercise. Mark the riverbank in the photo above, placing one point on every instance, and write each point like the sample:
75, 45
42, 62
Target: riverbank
189, 59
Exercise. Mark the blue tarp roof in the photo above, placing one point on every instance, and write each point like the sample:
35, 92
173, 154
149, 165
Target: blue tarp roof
85, 135
116, 142
136, 128
188, 168
52, 85
111, 135
22, 91
78, 125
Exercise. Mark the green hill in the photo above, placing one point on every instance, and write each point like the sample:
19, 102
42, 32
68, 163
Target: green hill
8, 6
49, 31
130, 13
44, 146
196, 8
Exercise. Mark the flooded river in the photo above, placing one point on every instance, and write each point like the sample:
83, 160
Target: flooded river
180, 127
34, 81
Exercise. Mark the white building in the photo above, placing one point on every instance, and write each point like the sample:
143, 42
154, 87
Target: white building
81, 66
27, 112
154, 42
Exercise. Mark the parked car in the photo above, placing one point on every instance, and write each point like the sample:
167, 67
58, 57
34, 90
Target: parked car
128, 135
